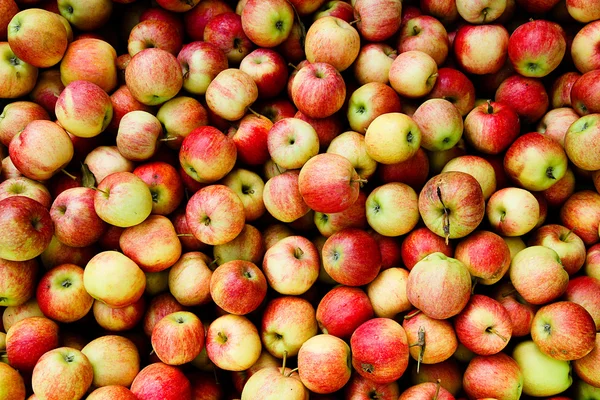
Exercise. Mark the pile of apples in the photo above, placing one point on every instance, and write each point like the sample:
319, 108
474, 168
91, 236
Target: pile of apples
293, 199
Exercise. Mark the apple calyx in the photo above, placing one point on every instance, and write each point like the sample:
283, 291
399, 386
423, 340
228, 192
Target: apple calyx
222, 337
550, 173
298, 253
547, 328
367, 368
495, 332
446, 222
421, 344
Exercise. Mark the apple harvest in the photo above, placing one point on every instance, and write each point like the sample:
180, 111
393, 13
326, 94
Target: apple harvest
294, 199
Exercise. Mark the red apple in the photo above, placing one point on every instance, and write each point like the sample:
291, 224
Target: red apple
454, 86
581, 213
80, 54
238, 287
267, 23
420, 243
431, 341
324, 363
12, 384
318, 90
195, 20
491, 128
161, 381
336, 318
520, 312
380, 350
16, 116
582, 290
527, 96
486, 256
233, 343
29, 339
496, 376
481, 49
178, 338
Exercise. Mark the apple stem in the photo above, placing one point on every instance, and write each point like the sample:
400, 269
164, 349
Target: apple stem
185, 235
490, 108
68, 174
168, 139
216, 376
474, 285
421, 341
283, 363
510, 292
257, 114
446, 222
360, 180
412, 314
564, 239
495, 332
356, 21
100, 190
291, 372
437, 389
293, 66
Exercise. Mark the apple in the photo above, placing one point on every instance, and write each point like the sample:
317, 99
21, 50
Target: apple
425, 391
440, 123
454, 86
427, 34
377, 20
512, 211
292, 142
269, 71
566, 243
324, 364
580, 291
9, 10
238, 287
380, 350
556, 123
282, 197
16, 116
178, 338
180, 116
84, 52
195, 20
115, 360
11, 382
225, 103
226, 31
165, 186
486, 256
495, 376
247, 246
421, 242
201, 62
153, 76
362, 388
400, 212
159, 307
438, 159
119, 319
161, 381
483, 326
14, 314
30, 31
560, 92
41, 149
28, 228
542, 375
19, 77
106, 160
583, 50
28, 340
273, 383
373, 63
413, 172
114, 279
293, 253
443, 10
336, 318
481, 49
448, 372
233, 343
154, 33
250, 138
413, 74
527, 96
111, 393
63, 366
189, 279
392, 138
249, 186
537, 275
61, 294
370, 101
334, 41
537, 48
583, 94
265, 360
73, 210
287, 322
580, 142
353, 217
581, 213
335, 8
18, 282
431, 341
267, 23
587, 367
86, 16
491, 128
215, 214
583, 11
318, 90
26, 187
452, 204
328, 183
122, 103
449, 273
564, 330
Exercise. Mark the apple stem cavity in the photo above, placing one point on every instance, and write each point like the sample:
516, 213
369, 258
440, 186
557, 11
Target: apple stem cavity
446, 223
298, 253
64, 171
495, 332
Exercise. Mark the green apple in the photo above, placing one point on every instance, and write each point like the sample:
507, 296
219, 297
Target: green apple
585, 391
392, 209
392, 138
441, 124
542, 375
